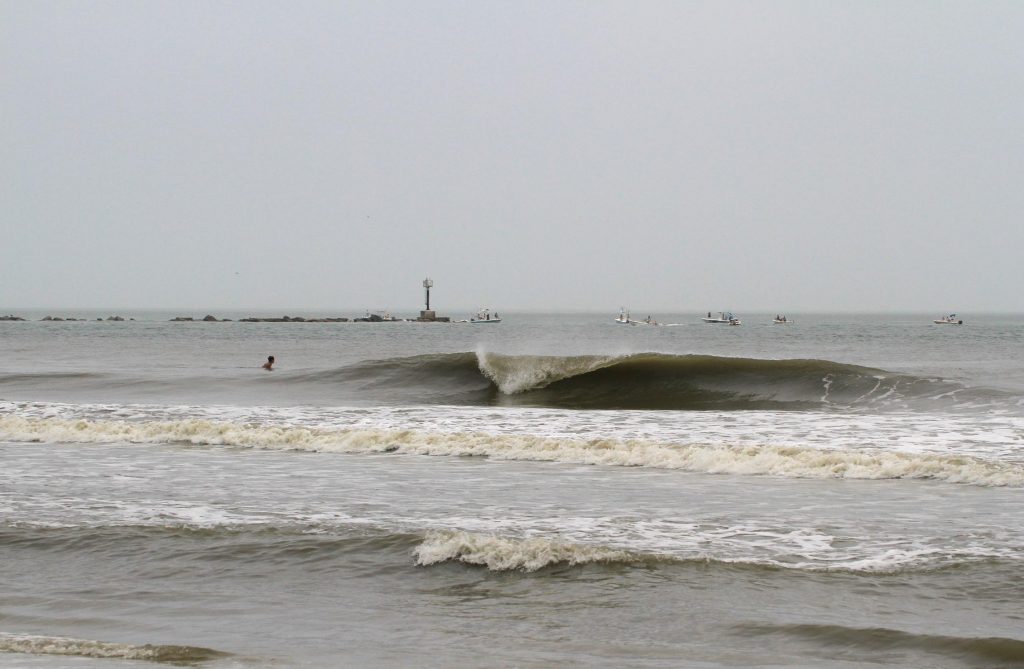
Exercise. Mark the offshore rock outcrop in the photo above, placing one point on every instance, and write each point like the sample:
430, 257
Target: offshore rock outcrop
292, 319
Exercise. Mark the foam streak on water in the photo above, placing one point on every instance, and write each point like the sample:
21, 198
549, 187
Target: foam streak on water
734, 447
43, 645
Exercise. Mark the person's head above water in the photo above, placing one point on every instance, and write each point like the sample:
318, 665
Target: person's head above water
269, 363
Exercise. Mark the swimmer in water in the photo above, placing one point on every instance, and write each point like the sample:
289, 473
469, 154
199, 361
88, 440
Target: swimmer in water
269, 364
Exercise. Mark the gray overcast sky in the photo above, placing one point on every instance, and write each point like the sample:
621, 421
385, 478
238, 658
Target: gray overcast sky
547, 155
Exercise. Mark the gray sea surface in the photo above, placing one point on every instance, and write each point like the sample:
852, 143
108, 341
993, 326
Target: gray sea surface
553, 490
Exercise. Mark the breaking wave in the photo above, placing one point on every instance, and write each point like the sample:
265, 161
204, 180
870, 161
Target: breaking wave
644, 381
765, 459
507, 554
357, 547
637, 381
49, 645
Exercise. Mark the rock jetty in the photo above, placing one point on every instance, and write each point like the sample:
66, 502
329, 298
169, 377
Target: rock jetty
209, 318
292, 319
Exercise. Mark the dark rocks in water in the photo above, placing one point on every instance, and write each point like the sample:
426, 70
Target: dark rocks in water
115, 318
209, 317
11, 317
182, 318
292, 319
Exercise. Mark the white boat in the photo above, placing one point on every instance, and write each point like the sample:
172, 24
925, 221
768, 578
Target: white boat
781, 320
948, 320
485, 316
624, 319
724, 317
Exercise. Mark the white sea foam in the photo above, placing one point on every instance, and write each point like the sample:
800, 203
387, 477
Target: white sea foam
746, 457
508, 554
49, 645
992, 436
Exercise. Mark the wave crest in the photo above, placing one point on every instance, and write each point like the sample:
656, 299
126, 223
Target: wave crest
514, 374
506, 554
773, 460
48, 645
635, 381
650, 381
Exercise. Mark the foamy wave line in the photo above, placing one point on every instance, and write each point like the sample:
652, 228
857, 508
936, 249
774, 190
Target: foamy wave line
499, 553
785, 461
48, 645
506, 554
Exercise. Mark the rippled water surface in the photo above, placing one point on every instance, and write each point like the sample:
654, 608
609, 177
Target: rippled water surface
842, 491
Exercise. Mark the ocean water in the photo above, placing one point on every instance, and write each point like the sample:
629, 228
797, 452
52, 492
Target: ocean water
554, 490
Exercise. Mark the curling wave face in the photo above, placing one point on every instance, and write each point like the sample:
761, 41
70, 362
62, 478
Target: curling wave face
655, 381
635, 381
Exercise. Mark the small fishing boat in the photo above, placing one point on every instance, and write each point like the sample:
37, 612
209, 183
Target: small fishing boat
624, 319
724, 317
948, 320
781, 320
485, 316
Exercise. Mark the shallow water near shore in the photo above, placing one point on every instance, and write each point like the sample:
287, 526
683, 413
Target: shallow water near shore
842, 491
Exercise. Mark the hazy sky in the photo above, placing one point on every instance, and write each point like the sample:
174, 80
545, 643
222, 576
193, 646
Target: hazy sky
666, 156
